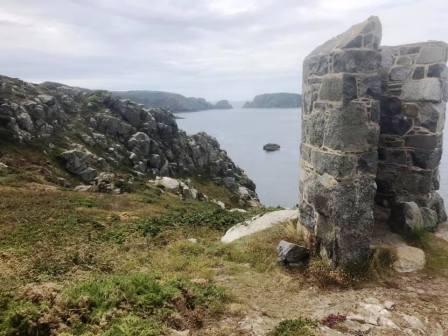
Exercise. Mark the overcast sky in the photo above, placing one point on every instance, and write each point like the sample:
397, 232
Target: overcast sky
232, 49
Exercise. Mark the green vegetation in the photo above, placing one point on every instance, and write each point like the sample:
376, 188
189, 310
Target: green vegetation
298, 327
116, 305
211, 217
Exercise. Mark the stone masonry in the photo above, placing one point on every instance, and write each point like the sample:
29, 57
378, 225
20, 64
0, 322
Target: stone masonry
371, 116
413, 106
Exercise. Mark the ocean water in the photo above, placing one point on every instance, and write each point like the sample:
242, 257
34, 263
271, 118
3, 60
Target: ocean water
243, 132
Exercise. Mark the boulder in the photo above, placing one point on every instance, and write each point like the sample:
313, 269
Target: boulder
259, 223
104, 183
408, 259
168, 183
290, 254
219, 203
78, 162
271, 147
83, 188
406, 218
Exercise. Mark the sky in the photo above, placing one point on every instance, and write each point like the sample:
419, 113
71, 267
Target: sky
216, 49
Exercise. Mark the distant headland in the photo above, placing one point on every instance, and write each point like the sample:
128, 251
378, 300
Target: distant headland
173, 102
275, 100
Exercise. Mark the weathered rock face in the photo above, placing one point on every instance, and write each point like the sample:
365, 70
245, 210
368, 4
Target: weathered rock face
340, 131
372, 122
93, 132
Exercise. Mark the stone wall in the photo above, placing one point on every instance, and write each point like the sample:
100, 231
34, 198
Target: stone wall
340, 115
410, 148
371, 117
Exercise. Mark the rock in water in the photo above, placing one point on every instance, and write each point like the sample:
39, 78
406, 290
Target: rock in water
290, 254
271, 147
259, 223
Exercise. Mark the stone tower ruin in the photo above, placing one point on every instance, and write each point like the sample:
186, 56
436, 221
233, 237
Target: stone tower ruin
372, 122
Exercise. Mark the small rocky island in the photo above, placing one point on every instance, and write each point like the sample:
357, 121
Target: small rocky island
271, 147
275, 100
223, 105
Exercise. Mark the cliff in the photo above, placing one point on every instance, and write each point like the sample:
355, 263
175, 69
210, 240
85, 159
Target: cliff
275, 100
170, 101
90, 132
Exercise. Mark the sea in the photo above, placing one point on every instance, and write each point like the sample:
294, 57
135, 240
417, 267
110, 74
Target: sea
244, 132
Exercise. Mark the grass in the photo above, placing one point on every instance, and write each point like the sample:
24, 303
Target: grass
436, 250
297, 327
259, 250
114, 275
101, 264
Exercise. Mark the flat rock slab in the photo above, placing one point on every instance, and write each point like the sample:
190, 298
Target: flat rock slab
409, 259
259, 223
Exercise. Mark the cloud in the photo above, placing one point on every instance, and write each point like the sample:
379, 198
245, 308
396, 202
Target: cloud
212, 48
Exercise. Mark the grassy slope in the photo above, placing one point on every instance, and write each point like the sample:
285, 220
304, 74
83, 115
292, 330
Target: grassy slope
99, 264
120, 264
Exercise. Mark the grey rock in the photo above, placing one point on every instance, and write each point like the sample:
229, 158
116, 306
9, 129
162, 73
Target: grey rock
83, 188
290, 254
406, 218
258, 224
271, 147
432, 54
400, 73
78, 162
427, 90
408, 259
104, 183
430, 218
24, 120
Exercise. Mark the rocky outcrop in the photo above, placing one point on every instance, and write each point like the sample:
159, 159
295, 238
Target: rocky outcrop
93, 132
372, 121
275, 100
